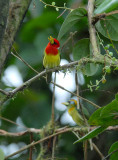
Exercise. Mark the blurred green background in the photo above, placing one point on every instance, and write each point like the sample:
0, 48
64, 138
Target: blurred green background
32, 107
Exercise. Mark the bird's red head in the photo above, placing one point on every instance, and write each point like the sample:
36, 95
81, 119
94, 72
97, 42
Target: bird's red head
54, 42
52, 47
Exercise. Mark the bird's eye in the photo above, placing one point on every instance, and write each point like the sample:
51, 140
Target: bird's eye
55, 42
71, 102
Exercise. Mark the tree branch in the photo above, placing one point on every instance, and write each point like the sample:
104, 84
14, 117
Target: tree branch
84, 60
37, 131
92, 31
58, 132
110, 154
77, 95
100, 16
53, 101
98, 151
17, 11
4, 7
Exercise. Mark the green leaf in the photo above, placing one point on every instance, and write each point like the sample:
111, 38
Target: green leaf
90, 69
72, 18
92, 134
109, 27
116, 96
81, 49
107, 115
32, 28
98, 2
2, 156
113, 148
107, 6
95, 117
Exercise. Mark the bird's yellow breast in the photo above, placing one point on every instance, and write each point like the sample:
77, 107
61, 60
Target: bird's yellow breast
51, 61
71, 109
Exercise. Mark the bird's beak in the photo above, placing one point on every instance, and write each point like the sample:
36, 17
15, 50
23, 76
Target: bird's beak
65, 103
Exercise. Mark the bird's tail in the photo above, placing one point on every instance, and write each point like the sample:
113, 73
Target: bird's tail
48, 77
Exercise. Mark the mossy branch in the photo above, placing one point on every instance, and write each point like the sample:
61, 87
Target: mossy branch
10, 94
92, 30
17, 11
58, 132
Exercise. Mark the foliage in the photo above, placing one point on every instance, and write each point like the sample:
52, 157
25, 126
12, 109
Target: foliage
72, 18
106, 6
31, 108
114, 149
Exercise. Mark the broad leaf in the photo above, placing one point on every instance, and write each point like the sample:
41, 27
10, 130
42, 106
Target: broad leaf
116, 96
2, 156
90, 69
109, 27
98, 2
92, 134
107, 6
72, 18
107, 115
95, 117
32, 27
81, 49
114, 148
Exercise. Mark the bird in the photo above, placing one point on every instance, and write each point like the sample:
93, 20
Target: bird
51, 57
76, 116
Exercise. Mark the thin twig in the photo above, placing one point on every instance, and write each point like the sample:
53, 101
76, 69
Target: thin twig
78, 99
30, 152
5, 133
98, 151
37, 131
61, 14
81, 109
110, 154
10, 134
28, 130
77, 88
53, 100
85, 149
10, 121
76, 134
98, 60
85, 120
22, 149
34, 143
98, 90
33, 68
110, 39
41, 74
100, 16
55, 6
3, 92
44, 139
69, 38
21, 59
53, 148
95, 105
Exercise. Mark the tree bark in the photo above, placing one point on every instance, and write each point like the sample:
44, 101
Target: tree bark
4, 8
16, 12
